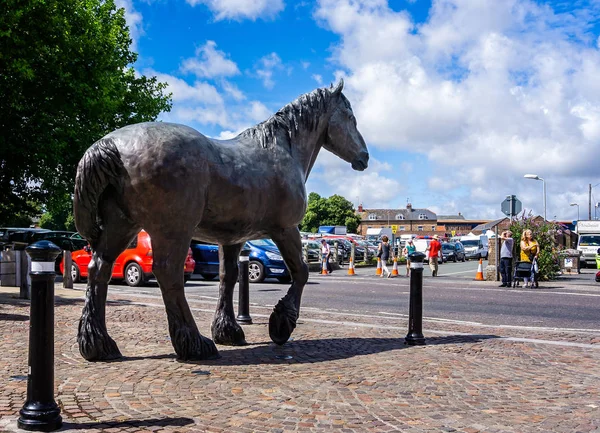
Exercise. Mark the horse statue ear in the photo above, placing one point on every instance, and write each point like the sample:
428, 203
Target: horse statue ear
338, 89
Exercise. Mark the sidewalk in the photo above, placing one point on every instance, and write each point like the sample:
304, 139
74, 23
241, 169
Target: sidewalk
341, 372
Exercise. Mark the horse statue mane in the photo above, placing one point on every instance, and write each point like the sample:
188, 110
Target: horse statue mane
299, 113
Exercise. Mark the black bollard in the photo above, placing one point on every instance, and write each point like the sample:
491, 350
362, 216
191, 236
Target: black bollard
415, 312
244, 288
40, 412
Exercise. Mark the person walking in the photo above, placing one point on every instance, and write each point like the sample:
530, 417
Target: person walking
407, 251
384, 254
529, 252
325, 253
506, 258
434, 252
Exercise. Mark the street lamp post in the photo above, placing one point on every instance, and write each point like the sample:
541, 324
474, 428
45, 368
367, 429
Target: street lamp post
575, 204
536, 177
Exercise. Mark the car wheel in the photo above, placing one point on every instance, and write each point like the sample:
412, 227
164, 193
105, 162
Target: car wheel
284, 280
134, 276
186, 278
75, 273
464, 259
256, 272
209, 277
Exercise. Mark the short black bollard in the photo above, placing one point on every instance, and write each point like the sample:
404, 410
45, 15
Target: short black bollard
40, 412
415, 312
244, 288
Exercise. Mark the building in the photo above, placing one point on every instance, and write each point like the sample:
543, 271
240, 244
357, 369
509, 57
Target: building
408, 220
457, 225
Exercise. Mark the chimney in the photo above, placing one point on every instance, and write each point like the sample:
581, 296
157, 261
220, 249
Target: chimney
360, 208
409, 207
459, 214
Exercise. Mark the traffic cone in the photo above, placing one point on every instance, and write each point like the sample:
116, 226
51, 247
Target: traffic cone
395, 267
378, 271
479, 276
324, 268
351, 267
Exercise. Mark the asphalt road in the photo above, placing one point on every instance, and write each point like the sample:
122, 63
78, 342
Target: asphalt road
572, 302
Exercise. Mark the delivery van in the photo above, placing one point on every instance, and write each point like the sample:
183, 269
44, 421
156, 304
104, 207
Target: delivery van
588, 241
476, 247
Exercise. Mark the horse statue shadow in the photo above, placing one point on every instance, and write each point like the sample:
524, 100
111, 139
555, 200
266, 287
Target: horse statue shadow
179, 185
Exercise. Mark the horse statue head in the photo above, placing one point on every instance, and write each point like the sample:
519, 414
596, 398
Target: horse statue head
342, 137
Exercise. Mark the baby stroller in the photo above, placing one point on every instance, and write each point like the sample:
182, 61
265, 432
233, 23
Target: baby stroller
525, 270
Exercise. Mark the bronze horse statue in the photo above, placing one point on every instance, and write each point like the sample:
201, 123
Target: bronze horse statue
179, 185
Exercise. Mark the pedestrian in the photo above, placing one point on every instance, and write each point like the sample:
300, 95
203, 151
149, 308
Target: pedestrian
407, 251
529, 253
325, 253
434, 251
506, 258
384, 253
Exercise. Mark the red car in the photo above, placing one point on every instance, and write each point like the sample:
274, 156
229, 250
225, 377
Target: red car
134, 265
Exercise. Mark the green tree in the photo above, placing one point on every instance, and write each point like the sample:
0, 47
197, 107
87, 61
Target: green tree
544, 232
66, 80
332, 211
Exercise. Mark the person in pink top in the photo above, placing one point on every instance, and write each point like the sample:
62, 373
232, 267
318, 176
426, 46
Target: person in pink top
434, 252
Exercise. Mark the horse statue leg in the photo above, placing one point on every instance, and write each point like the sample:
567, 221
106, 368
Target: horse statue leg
169, 254
285, 314
94, 342
225, 329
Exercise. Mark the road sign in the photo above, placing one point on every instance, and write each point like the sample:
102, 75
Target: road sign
394, 229
511, 206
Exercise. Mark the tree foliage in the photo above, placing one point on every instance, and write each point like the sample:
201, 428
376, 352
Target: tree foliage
66, 80
544, 232
332, 211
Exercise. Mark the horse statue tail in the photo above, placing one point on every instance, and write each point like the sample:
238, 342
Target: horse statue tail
100, 167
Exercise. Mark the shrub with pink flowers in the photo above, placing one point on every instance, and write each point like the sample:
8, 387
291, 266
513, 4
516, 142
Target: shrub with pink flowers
544, 232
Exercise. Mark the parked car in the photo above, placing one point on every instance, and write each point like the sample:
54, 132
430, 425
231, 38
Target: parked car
18, 237
598, 277
266, 262
206, 256
134, 265
453, 251
343, 249
314, 250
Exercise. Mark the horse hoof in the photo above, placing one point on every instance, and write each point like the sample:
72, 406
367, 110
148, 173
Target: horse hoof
227, 332
98, 349
282, 322
190, 347
95, 344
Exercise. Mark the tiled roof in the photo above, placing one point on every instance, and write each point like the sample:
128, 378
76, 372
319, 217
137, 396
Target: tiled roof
394, 215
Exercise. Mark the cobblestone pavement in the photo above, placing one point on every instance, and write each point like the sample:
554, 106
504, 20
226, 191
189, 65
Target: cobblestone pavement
342, 372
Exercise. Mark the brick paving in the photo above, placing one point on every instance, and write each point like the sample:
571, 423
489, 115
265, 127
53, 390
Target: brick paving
346, 373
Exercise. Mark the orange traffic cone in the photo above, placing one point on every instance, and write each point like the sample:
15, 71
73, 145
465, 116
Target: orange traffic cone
351, 267
324, 268
378, 271
395, 267
479, 275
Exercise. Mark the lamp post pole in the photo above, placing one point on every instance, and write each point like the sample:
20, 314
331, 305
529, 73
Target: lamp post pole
575, 204
536, 177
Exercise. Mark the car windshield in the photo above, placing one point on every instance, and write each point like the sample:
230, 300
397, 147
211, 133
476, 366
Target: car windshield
470, 242
313, 245
589, 240
447, 247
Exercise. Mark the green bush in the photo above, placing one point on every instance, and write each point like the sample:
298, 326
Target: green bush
544, 232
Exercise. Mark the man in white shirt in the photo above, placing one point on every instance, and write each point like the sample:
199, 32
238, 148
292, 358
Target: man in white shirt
506, 258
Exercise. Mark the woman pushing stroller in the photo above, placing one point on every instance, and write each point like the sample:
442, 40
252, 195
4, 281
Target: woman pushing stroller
529, 253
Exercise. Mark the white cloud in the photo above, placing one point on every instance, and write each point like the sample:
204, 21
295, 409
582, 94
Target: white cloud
210, 63
318, 78
488, 90
242, 9
266, 66
233, 91
134, 21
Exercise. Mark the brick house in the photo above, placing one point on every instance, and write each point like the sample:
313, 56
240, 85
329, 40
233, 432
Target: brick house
408, 221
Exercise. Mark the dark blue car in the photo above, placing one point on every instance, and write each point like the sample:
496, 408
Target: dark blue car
265, 261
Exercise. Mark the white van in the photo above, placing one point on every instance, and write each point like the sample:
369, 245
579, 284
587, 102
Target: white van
421, 246
476, 247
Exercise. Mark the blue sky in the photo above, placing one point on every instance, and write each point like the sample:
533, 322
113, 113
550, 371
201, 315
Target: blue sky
457, 99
